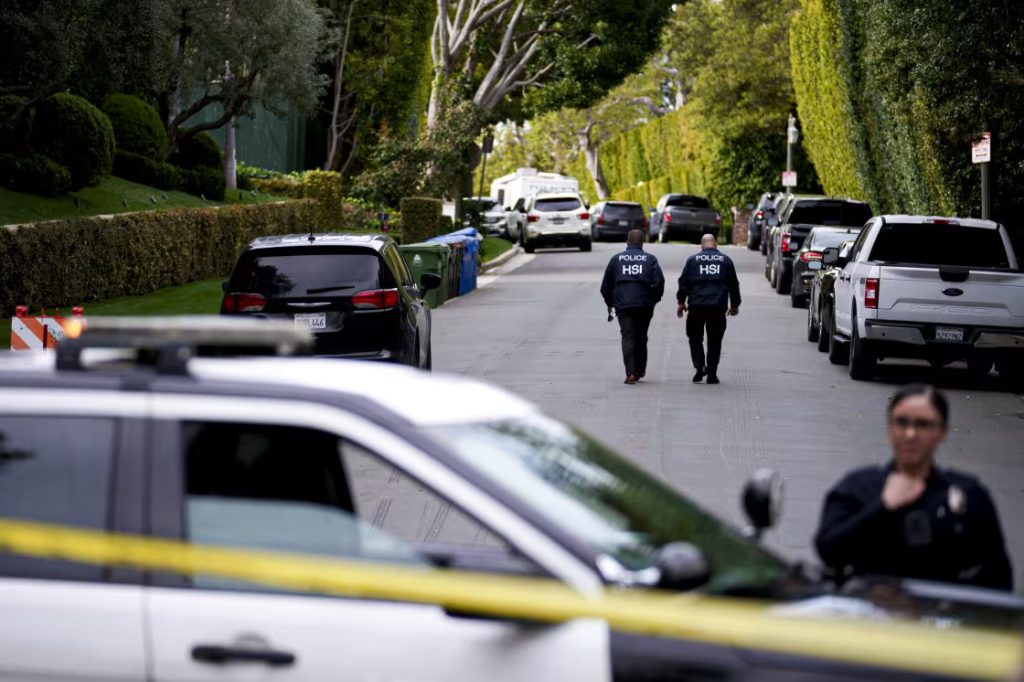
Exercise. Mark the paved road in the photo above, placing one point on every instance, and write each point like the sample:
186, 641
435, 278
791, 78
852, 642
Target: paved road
539, 330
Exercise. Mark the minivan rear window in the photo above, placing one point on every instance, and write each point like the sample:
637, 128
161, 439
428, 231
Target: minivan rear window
691, 202
844, 213
551, 205
623, 211
304, 271
931, 244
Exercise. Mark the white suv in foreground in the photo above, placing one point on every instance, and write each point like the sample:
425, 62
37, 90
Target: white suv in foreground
551, 220
940, 289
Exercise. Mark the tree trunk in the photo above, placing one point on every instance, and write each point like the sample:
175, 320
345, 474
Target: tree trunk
592, 154
230, 163
334, 132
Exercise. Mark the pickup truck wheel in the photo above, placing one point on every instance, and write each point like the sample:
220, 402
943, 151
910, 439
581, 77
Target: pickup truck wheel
782, 285
823, 331
979, 366
798, 302
838, 354
586, 246
529, 246
812, 327
1011, 374
862, 360
768, 270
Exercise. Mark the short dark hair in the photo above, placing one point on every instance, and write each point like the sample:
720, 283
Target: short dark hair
934, 396
635, 237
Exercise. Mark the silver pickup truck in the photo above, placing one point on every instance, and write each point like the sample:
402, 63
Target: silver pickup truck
941, 289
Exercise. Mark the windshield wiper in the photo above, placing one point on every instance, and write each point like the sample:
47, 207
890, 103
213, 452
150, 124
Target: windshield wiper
336, 287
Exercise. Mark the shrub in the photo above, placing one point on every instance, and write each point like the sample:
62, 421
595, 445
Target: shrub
325, 188
205, 182
15, 140
34, 174
146, 171
137, 126
77, 135
197, 151
285, 186
245, 174
421, 219
79, 260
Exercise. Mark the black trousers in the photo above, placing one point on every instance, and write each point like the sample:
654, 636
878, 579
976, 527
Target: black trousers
634, 323
698, 319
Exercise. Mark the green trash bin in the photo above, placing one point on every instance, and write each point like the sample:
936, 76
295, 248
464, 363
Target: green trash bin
432, 257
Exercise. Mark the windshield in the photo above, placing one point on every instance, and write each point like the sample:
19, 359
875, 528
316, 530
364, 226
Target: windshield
560, 204
823, 239
931, 244
610, 505
845, 213
692, 202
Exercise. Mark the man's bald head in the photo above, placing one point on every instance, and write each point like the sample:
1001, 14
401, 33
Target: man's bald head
708, 241
635, 238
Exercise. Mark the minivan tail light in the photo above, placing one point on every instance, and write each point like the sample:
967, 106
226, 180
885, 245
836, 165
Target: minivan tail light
377, 299
244, 303
584, 215
786, 247
600, 218
808, 256
871, 293
532, 217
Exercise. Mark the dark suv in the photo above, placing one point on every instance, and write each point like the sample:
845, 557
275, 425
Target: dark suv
355, 292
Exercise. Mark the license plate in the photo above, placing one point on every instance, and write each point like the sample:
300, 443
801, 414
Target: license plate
623, 222
311, 320
558, 221
955, 334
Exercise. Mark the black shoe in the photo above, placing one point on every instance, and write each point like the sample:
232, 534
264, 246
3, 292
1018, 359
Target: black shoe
712, 378
699, 376
631, 379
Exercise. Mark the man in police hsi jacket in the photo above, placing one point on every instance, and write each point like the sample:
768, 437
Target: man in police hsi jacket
709, 289
633, 284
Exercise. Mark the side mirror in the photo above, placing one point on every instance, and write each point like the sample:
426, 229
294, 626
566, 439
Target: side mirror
830, 256
762, 500
224, 287
651, 209
429, 280
682, 566
814, 265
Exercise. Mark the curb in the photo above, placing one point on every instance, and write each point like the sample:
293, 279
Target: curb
502, 259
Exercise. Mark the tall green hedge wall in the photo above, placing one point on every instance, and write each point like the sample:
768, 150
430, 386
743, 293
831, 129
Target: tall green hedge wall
79, 260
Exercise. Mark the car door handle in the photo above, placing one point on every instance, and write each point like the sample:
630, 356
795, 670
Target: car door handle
216, 653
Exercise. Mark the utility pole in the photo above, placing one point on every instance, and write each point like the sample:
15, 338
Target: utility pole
486, 148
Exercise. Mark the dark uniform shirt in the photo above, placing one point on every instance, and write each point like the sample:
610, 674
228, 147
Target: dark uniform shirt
633, 279
709, 280
951, 533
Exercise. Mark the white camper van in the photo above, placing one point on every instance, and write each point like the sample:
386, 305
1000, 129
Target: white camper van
512, 189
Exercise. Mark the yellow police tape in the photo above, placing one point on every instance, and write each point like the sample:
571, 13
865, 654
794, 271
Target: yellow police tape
721, 621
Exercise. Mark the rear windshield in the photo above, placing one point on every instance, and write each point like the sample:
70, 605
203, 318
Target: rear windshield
623, 211
692, 202
930, 244
826, 239
845, 213
549, 205
481, 205
305, 271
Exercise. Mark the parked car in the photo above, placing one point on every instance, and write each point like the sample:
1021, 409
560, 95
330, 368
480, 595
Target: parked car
821, 304
355, 292
486, 214
614, 219
759, 218
819, 239
679, 216
771, 235
937, 288
560, 219
771, 219
800, 214
137, 435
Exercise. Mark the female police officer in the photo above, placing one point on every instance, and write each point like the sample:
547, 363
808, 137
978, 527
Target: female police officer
909, 518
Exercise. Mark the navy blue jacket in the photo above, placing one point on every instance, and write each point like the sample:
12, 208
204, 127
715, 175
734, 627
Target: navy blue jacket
949, 534
632, 279
709, 280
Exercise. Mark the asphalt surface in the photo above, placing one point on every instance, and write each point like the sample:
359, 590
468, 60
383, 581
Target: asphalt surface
538, 327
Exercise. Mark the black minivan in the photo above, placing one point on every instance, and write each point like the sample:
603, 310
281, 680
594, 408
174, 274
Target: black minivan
355, 292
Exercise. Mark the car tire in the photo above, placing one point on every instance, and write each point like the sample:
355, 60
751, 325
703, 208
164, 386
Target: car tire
798, 301
529, 246
752, 245
586, 246
1011, 374
837, 351
823, 331
782, 284
428, 365
812, 327
764, 246
863, 362
979, 366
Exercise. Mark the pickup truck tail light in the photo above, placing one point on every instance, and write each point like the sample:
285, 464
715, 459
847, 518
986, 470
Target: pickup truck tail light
376, 299
668, 217
784, 242
718, 219
584, 215
600, 218
532, 217
871, 293
760, 215
808, 256
244, 303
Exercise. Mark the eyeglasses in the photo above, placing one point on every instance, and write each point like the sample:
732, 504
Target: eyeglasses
905, 423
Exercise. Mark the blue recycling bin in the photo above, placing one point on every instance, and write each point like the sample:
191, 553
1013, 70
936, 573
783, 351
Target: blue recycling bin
470, 249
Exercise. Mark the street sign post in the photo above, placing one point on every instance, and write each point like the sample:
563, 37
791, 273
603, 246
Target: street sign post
981, 153
789, 178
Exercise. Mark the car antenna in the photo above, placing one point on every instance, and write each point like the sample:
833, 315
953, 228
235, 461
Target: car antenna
311, 237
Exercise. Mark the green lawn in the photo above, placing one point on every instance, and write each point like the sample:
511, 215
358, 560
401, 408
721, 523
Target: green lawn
492, 247
113, 195
198, 298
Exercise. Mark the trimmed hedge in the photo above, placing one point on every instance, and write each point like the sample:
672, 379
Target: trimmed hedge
284, 186
34, 174
146, 171
208, 183
421, 219
77, 135
16, 141
80, 260
137, 126
325, 188
198, 151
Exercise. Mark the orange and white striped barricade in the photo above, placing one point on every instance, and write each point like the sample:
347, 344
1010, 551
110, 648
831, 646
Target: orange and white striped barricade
35, 332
